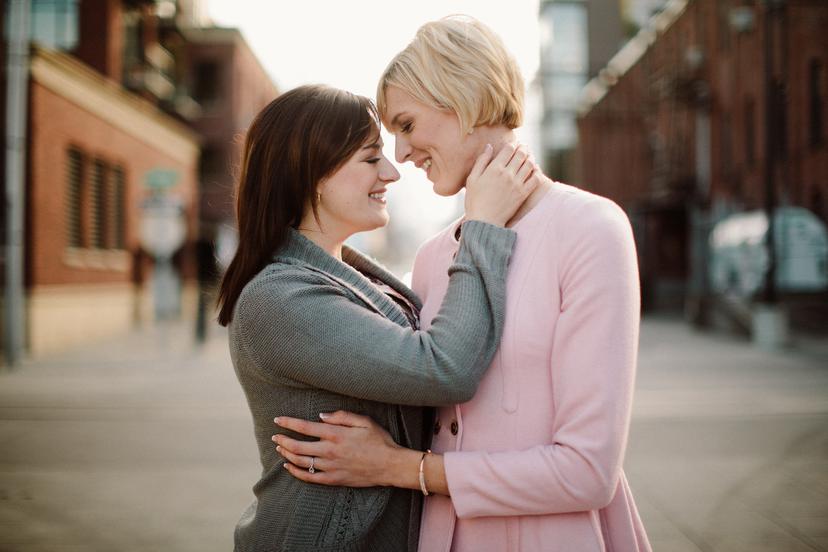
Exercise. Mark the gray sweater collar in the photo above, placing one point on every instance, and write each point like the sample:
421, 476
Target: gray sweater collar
350, 271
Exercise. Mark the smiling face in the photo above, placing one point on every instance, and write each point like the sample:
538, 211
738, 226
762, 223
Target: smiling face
352, 199
431, 139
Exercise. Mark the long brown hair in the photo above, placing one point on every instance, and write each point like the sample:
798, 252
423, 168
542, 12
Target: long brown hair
298, 140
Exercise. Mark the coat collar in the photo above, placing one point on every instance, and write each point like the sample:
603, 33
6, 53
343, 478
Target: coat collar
350, 273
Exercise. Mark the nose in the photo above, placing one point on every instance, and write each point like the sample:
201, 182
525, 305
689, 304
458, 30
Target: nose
402, 149
388, 172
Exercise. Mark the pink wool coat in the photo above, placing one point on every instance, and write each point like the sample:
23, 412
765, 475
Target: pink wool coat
533, 461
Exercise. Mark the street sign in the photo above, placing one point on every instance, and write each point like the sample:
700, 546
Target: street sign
161, 179
163, 228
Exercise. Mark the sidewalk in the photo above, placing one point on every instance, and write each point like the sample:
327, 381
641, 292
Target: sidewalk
145, 444
728, 448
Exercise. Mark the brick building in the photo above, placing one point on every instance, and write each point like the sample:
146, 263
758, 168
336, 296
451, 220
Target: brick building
111, 118
91, 146
674, 127
231, 87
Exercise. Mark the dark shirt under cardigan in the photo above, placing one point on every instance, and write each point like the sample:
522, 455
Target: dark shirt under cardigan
313, 334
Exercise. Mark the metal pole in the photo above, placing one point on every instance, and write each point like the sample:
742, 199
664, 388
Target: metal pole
770, 321
696, 307
17, 75
771, 135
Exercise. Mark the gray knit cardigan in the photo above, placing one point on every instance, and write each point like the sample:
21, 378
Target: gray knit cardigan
312, 334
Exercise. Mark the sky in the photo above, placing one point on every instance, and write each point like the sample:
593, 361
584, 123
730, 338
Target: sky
348, 44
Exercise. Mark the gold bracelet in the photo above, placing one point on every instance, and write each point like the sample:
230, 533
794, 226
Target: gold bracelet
422, 475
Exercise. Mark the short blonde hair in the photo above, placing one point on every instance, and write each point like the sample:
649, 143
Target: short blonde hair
459, 63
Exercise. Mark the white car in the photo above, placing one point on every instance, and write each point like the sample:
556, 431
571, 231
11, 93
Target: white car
739, 257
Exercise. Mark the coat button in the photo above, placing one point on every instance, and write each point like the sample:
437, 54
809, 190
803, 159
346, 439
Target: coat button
436, 427
454, 427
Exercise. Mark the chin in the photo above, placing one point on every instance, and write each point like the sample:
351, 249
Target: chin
447, 189
370, 225
380, 223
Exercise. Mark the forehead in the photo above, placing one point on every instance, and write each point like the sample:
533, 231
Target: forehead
398, 102
395, 95
375, 137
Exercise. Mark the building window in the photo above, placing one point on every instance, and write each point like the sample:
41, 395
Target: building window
96, 202
816, 101
207, 83
132, 53
98, 205
727, 145
74, 198
750, 132
565, 69
212, 165
780, 99
724, 26
54, 23
95, 208
118, 208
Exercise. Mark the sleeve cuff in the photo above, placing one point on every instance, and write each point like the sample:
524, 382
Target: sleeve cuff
485, 245
452, 463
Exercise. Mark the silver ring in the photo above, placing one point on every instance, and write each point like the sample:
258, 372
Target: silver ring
311, 469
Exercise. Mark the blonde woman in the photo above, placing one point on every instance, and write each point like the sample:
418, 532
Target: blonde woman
534, 460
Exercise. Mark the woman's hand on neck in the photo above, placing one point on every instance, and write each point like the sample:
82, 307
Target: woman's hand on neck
499, 136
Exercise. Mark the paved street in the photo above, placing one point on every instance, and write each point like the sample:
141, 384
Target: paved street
140, 445
145, 445
729, 445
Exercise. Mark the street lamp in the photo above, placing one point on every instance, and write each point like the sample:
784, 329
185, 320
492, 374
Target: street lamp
162, 232
769, 324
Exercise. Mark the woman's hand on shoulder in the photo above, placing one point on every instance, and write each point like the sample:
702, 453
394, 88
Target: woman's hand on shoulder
352, 450
499, 184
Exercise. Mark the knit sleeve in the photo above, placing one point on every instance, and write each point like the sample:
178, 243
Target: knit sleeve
299, 326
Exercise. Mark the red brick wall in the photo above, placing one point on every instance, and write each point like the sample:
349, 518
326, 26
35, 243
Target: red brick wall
101, 36
807, 169
613, 143
55, 125
638, 143
245, 89
217, 127
252, 87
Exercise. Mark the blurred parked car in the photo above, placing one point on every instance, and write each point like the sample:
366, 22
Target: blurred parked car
739, 256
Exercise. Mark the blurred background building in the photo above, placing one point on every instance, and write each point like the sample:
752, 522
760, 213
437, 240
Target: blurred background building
712, 108
699, 117
131, 105
230, 86
577, 38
